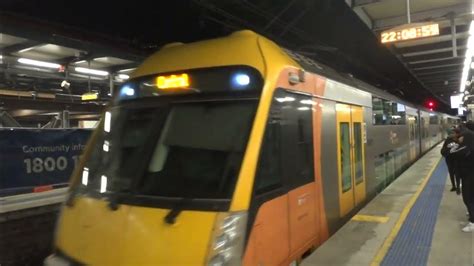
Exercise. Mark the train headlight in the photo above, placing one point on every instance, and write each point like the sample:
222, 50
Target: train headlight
228, 239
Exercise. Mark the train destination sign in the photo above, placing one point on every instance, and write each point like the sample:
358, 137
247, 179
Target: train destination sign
410, 32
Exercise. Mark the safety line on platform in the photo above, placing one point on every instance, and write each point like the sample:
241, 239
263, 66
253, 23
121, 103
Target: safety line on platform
401, 219
370, 218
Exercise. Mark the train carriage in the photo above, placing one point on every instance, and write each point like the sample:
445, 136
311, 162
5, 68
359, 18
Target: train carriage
233, 151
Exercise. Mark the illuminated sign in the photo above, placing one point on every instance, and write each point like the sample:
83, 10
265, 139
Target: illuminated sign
90, 96
456, 101
172, 81
409, 32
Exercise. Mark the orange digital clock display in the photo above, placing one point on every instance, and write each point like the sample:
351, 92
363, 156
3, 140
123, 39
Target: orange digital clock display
409, 33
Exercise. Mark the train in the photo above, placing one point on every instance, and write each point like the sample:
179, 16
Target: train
234, 151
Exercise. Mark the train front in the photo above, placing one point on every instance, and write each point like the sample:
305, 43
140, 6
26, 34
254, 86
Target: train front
158, 179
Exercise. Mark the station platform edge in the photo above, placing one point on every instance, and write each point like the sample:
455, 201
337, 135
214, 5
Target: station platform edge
414, 221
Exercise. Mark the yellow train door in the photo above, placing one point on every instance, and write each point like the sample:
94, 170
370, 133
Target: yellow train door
351, 154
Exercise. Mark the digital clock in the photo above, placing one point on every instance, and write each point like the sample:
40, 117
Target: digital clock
410, 32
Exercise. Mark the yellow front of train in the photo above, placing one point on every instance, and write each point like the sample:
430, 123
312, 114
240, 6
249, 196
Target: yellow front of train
167, 177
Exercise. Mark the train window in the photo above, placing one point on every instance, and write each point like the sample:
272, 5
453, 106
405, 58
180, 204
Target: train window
117, 152
434, 119
358, 153
412, 127
345, 156
298, 140
288, 140
387, 112
269, 172
424, 127
199, 150
384, 168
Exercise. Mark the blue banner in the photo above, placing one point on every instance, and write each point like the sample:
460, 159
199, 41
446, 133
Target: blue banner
32, 158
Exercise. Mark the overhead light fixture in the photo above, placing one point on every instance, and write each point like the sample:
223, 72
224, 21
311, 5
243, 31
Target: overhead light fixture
65, 84
32, 62
127, 70
27, 49
123, 76
80, 62
91, 71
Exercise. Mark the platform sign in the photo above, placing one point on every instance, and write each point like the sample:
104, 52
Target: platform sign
410, 32
31, 158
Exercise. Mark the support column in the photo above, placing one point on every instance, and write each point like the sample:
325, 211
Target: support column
408, 12
65, 119
111, 84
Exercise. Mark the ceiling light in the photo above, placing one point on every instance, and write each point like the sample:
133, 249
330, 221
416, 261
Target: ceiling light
91, 71
32, 62
65, 84
80, 62
127, 70
123, 76
27, 49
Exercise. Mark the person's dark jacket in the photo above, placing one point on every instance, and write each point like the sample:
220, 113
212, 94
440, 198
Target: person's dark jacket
447, 146
464, 153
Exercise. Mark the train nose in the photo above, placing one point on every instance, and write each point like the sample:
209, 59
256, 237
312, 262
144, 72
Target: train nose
91, 233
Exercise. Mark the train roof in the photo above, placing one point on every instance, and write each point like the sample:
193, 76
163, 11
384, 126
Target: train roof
253, 50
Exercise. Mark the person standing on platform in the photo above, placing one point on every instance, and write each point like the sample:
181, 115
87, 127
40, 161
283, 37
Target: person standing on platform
450, 160
463, 153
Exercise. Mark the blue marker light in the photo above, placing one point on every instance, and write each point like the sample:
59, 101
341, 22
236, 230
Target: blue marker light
127, 91
242, 79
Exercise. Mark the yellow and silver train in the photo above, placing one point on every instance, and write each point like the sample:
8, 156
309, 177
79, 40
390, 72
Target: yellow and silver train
233, 151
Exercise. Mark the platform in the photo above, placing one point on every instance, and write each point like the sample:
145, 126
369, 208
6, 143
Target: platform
415, 221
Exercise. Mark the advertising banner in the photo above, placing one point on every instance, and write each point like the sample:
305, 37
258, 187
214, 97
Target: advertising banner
32, 158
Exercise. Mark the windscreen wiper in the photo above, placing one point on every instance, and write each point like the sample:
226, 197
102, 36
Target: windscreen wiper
170, 218
115, 198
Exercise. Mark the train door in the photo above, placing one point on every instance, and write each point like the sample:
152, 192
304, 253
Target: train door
351, 164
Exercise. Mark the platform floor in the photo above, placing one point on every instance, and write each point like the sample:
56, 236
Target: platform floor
415, 221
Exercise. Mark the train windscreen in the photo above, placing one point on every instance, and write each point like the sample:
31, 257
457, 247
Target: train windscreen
189, 149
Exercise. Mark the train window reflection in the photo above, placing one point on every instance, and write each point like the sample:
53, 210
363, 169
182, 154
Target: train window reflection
358, 153
287, 148
345, 156
387, 112
199, 152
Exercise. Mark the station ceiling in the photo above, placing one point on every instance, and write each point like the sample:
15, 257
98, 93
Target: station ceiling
436, 62
115, 38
